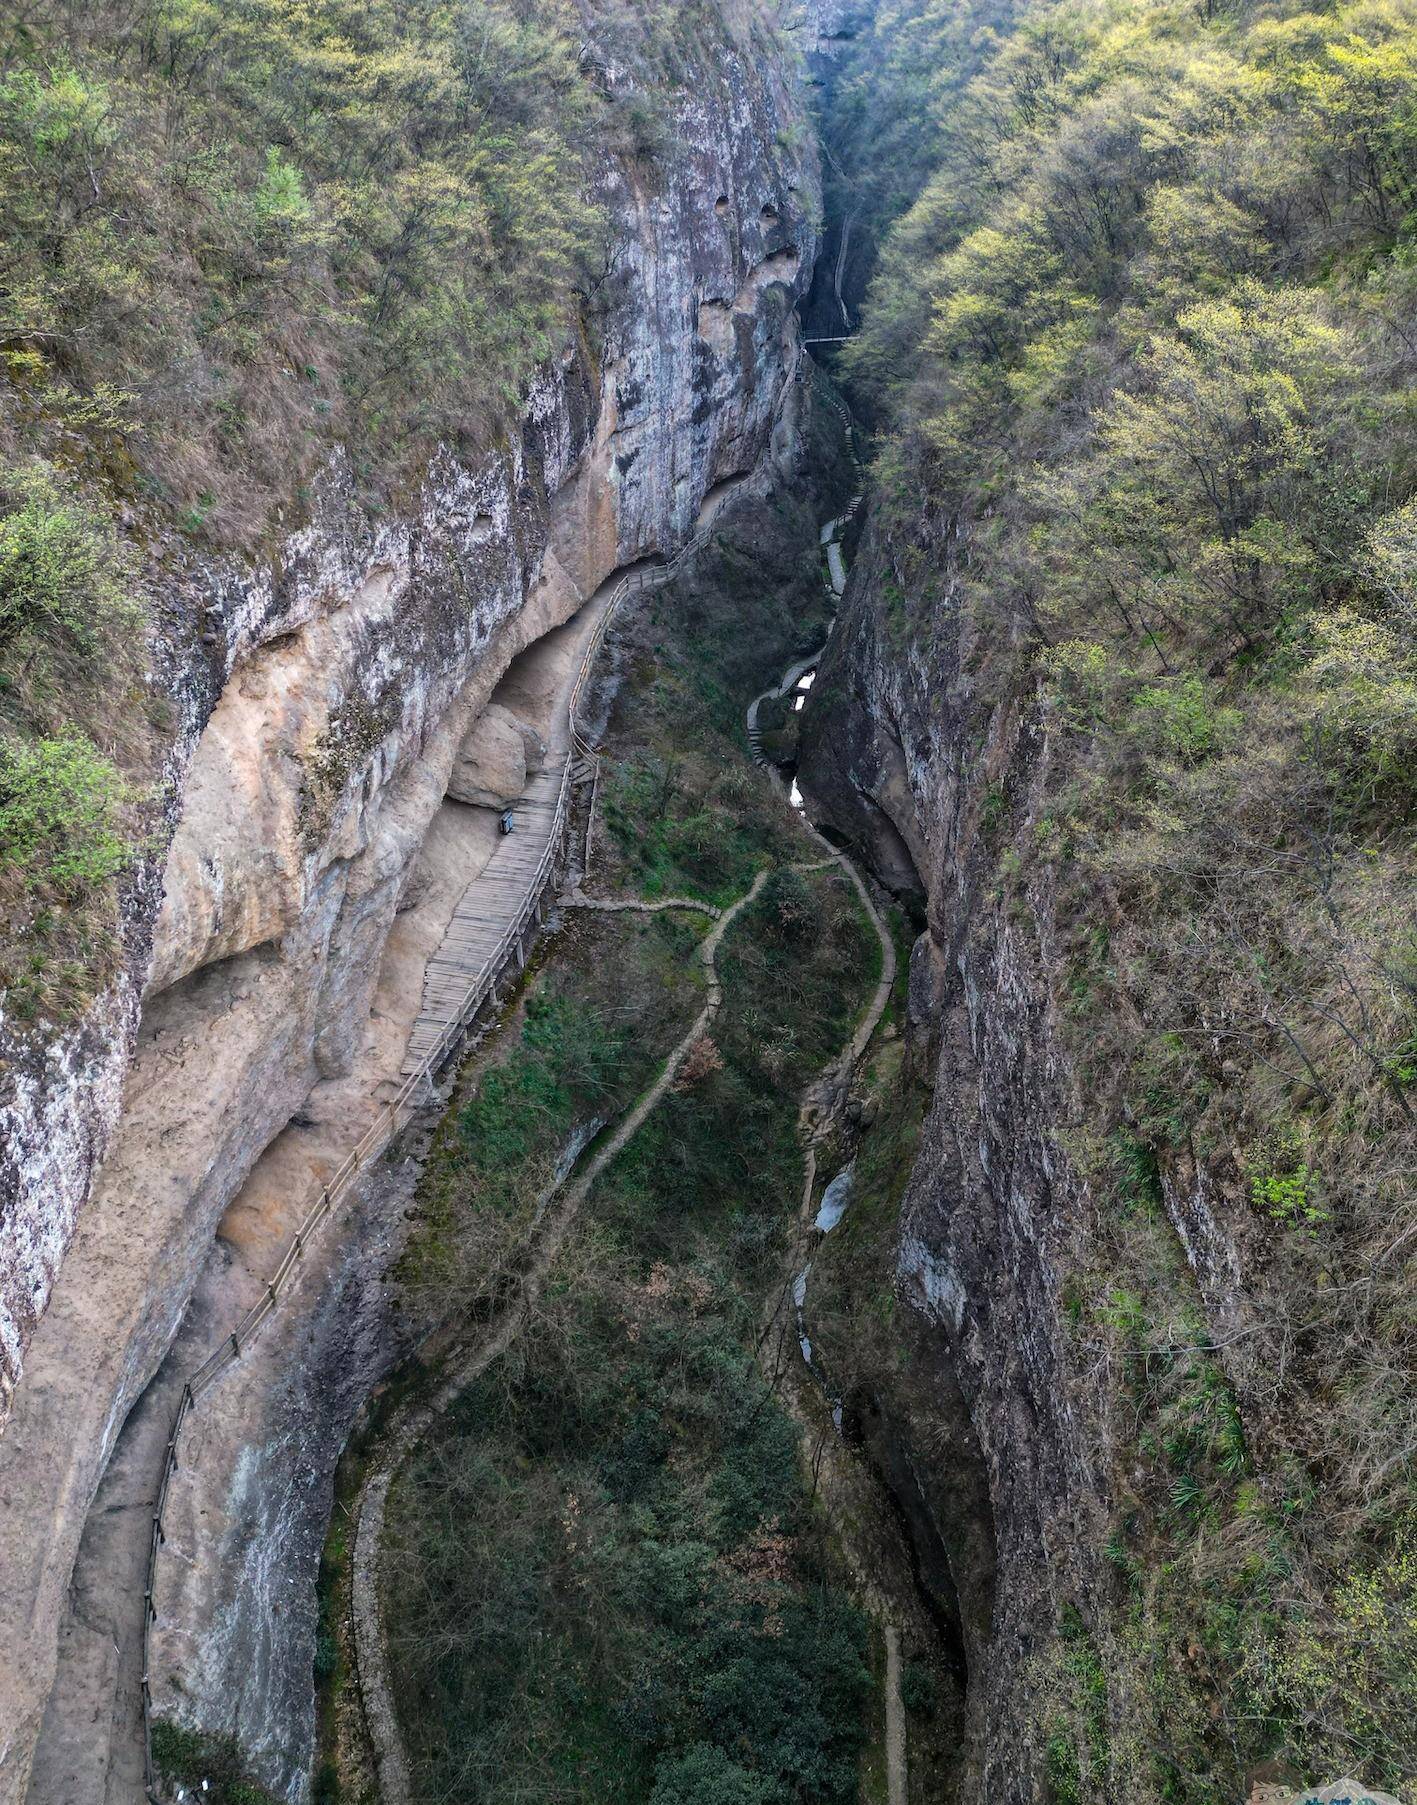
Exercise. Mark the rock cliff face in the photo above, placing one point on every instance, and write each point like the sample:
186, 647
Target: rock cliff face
322, 712
995, 1434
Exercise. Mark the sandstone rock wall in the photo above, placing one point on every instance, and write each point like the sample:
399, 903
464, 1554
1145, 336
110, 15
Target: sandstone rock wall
321, 707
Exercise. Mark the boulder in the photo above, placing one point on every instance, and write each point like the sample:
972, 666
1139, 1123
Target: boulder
494, 759
1341, 1792
536, 750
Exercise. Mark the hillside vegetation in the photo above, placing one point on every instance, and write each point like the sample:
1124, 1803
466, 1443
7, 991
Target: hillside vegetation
235, 238
1148, 337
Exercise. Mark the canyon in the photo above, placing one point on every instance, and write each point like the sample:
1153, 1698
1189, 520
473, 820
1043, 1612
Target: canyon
352, 718
926, 835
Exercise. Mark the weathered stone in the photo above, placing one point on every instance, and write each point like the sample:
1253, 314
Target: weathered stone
490, 769
1340, 1792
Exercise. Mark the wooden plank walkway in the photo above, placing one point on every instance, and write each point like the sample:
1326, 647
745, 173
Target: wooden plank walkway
497, 907
475, 943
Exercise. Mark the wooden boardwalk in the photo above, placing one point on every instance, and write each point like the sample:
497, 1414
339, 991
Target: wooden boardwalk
475, 943
488, 926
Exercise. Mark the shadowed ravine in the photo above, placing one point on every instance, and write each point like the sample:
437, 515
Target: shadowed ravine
819, 1110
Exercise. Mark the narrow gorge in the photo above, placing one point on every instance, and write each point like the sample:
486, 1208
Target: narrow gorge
709, 1006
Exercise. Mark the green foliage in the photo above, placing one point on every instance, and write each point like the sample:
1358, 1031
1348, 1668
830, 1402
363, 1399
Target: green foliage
606, 1579
281, 203
706, 1775
917, 1689
1076, 1753
569, 1063
608, 1576
1288, 1197
1143, 346
1181, 721
61, 568
1350, 1661
587, 1037
61, 806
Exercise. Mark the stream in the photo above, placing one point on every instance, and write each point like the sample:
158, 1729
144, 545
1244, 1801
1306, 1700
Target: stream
797, 680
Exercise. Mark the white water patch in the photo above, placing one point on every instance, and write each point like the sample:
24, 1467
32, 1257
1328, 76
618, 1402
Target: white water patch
799, 1299
794, 796
834, 1200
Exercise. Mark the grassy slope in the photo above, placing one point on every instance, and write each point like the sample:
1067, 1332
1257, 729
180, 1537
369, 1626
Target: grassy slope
1147, 335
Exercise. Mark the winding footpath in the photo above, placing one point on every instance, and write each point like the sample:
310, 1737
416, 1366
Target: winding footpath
819, 1111
467, 1364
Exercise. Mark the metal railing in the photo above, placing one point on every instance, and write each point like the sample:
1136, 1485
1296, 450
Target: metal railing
399, 1110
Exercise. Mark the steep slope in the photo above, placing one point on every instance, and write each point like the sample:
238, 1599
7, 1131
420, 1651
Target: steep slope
315, 699
1122, 696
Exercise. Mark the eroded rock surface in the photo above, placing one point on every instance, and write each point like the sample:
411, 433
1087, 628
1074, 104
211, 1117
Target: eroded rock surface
321, 727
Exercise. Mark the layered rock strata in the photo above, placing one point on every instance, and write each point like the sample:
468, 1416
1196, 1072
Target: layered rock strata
326, 707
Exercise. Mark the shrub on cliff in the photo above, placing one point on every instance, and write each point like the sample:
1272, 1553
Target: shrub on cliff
61, 802
61, 568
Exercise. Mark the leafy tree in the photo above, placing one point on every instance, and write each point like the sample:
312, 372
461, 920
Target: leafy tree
705, 1775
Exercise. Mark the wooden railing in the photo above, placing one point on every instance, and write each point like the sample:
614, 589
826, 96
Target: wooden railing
396, 1113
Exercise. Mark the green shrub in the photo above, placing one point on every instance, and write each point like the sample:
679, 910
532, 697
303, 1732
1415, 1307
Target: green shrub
61, 802
1179, 720
917, 1690
1288, 1197
61, 567
705, 1775
198, 202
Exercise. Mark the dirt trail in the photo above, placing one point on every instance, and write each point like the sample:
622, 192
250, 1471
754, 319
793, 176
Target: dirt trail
895, 1721
578, 899
371, 1651
463, 1368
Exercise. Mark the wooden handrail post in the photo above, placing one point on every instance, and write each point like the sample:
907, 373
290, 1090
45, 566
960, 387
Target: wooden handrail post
511, 947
